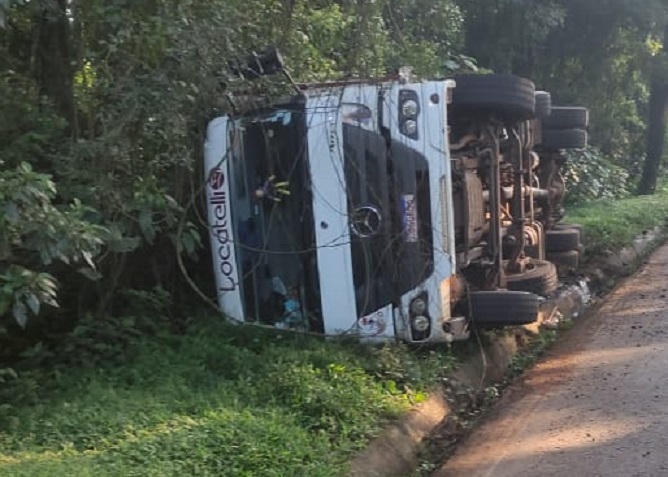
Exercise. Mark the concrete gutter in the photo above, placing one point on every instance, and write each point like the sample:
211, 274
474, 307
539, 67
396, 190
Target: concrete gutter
626, 260
395, 452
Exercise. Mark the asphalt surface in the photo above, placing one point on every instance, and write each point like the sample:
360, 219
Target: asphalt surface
596, 405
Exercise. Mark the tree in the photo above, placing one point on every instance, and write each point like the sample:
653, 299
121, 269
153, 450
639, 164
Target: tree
656, 131
53, 59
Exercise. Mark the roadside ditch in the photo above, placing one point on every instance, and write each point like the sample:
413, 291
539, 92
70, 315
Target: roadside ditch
424, 438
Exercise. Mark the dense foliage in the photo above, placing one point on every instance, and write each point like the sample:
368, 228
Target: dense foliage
591, 176
104, 105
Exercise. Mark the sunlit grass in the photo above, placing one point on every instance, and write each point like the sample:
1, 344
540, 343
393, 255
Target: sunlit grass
221, 401
609, 225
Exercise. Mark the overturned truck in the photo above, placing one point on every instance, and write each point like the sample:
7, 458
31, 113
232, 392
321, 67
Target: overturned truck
392, 209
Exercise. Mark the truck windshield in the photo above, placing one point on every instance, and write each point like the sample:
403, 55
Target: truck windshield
274, 233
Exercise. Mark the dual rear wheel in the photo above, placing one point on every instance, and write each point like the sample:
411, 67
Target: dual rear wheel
565, 128
564, 247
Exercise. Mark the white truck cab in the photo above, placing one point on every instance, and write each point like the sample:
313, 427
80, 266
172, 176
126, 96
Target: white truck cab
331, 212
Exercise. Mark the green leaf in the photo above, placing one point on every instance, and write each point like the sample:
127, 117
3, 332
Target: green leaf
12, 212
90, 273
188, 243
146, 225
124, 244
88, 258
9, 372
20, 314
33, 303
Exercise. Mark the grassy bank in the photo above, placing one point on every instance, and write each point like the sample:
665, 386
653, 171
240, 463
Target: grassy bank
610, 226
219, 401
128, 398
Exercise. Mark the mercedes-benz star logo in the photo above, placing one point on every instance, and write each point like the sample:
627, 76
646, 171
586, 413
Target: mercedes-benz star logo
365, 221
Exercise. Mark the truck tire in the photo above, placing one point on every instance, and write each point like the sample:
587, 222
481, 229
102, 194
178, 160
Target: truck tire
503, 308
577, 227
562, 117
554, 139
562, 240
543, 104
540, 278
505, 96
566, 262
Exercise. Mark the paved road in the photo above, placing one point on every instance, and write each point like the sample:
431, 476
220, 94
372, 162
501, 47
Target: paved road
597, 405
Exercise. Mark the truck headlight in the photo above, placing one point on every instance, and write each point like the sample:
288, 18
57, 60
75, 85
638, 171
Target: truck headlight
408, 112
418, 306
409, 128
420, 323
409, 108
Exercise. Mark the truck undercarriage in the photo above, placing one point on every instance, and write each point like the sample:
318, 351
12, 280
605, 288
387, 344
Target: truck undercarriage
507, 182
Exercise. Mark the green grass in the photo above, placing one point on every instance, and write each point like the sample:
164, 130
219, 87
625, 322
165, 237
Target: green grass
610, 226
228, 401
219, 401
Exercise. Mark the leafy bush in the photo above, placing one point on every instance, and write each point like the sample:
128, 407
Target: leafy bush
590, 176
37, 229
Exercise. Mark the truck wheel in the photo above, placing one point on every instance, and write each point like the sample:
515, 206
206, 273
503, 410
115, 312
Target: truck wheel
561, 240
566, 262
506, 96
563, 117
539, 277
577, 227
503, 308
543, 104
554, 139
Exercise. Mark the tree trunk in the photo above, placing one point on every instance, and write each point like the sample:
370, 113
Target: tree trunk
656, 137
53, 56
656, 127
